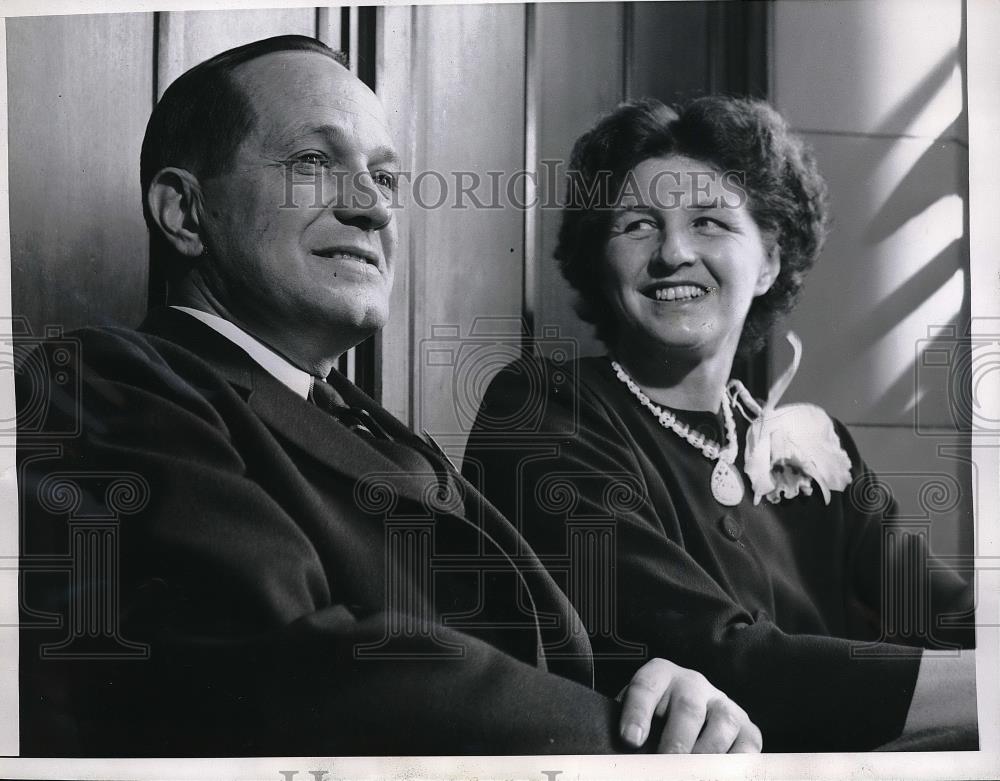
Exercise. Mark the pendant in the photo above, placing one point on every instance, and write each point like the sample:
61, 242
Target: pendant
727, 484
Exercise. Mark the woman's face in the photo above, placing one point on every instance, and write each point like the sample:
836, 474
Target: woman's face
684, 260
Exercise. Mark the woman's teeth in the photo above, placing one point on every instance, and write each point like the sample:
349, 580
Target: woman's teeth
680, 293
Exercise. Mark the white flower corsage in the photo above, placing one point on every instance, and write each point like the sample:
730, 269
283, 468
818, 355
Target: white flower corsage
789, 447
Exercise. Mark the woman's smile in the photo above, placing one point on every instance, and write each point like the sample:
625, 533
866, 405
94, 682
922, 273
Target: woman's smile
682, 265
676, 293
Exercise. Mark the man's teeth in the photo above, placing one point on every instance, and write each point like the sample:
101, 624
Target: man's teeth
343, 256
679, 293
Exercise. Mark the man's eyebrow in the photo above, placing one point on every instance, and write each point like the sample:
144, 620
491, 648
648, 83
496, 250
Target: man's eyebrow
336, 135
384, 154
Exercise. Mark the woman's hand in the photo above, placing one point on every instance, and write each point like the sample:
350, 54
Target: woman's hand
700, 718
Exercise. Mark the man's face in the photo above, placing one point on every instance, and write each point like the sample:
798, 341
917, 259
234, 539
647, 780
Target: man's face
298, 229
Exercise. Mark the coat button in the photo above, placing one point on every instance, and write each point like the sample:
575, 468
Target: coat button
731, 527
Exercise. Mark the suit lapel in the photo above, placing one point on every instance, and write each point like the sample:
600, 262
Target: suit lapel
343, 451
572, 655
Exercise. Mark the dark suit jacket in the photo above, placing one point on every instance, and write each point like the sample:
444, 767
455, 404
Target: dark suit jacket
215, 566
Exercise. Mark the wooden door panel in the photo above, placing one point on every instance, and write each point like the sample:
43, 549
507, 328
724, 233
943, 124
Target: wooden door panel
79, 94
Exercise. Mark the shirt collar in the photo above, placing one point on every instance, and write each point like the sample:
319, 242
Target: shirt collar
278, 367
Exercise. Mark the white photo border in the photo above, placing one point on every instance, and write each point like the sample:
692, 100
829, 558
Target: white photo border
984, 164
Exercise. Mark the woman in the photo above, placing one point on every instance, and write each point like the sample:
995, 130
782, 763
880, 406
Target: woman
743, 541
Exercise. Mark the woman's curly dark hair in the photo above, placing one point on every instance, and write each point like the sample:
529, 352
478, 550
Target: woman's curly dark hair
787, 196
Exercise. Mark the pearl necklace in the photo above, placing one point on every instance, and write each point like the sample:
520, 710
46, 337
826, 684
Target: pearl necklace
727, 483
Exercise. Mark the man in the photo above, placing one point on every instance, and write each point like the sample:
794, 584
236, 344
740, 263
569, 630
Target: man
258, 542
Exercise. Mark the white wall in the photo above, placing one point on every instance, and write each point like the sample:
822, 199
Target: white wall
877, 89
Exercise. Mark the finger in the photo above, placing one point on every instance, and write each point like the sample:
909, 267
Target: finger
685, 717
722, 727
749, 741
642, 696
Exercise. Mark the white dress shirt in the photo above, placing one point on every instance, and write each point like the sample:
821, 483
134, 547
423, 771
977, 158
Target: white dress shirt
291, 376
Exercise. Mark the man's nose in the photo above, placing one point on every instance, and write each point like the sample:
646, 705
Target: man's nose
361, 203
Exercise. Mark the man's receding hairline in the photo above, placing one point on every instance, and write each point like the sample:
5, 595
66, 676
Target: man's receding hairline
251, 91
248, 86
236, 71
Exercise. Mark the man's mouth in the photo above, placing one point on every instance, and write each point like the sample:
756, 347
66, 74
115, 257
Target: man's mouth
676, 292
348, 253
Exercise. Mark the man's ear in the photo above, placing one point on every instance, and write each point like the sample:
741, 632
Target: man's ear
769, 271
174, 202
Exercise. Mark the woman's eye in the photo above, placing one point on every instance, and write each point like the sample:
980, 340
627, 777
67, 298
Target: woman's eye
710, 225
639, 227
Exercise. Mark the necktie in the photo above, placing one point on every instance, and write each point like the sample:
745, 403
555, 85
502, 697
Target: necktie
358, 420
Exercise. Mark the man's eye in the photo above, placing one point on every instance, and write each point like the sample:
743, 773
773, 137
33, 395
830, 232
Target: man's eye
385, 180
307, 161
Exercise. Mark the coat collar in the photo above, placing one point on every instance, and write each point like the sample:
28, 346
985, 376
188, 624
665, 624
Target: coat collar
212, 347
236, 366
295, 419
273, 362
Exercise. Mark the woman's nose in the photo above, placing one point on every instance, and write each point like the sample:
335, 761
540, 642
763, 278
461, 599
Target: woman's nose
676, 249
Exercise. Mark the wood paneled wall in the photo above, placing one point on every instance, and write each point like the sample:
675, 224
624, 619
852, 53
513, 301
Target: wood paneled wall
467, 270
80, 89
576, 84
